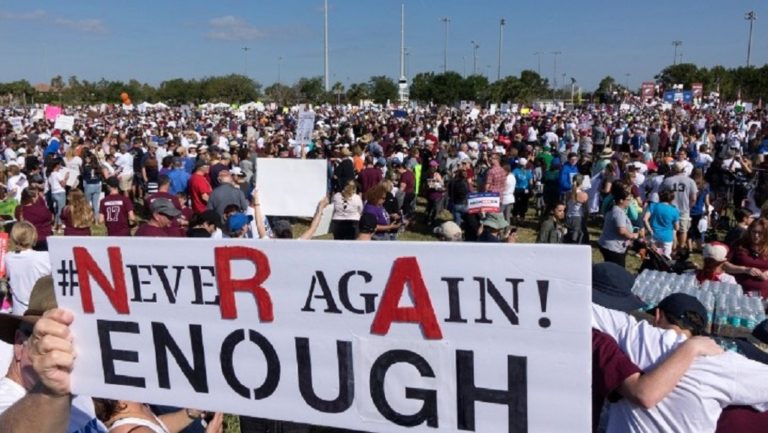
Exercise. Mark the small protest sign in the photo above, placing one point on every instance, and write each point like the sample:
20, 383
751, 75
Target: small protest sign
291, 187
51, 112
64, 123
489, 202
305, 127
372, 336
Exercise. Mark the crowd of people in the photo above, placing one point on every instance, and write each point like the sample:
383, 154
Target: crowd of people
661, 181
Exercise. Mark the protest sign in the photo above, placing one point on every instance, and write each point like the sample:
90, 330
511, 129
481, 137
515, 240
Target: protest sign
3, 252
305, 127
474, 113
51, 112
16, 123
291, 187
318, 331
483, 202
64, 123
325, 221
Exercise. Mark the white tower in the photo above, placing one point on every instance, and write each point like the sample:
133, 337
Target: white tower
403, 91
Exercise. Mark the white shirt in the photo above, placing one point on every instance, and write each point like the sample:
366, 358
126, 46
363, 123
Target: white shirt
16, 185
55, 179
710, 384
731, 164
24, 269
508, 196
74, 166
124, 161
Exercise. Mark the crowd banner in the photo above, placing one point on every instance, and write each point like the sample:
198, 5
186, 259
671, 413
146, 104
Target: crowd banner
16, 123
291, 187
489, 202
648, 89
305, 127
64, 123
371, 336
52, 111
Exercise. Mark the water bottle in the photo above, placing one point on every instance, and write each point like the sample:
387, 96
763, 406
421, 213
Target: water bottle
734, 312
721, 313
709, 303
748, 319
757, 305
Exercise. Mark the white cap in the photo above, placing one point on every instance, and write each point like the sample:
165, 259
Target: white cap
715, 251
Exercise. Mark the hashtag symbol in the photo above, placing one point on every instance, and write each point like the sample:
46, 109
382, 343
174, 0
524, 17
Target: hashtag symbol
68, 279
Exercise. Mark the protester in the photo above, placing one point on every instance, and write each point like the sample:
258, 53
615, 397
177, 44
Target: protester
116, 211
160, 224
34, 210
553, 229
748, 262
617, 230
24, 266
347, 209
77, 216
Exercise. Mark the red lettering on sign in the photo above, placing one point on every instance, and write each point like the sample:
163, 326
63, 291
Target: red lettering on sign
87, 268
228, 286
405, 270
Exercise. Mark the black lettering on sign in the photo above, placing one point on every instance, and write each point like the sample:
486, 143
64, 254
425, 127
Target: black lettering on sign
164, 343
228, 364
171, 293
346, 377
487, 287
109, 355
321, 282
515, 396
137, 283
198, 284
68, 274
428, 411
368, 298
454, 302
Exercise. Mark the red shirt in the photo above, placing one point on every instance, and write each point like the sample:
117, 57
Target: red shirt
38, 215
742, 419
409, 180
496, 180
610, 368
115, 208
147, 230
198, 185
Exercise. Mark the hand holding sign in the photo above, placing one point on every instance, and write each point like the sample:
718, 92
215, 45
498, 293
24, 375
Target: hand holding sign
51, 351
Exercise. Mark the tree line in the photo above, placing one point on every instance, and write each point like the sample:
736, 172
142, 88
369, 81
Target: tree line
749, 83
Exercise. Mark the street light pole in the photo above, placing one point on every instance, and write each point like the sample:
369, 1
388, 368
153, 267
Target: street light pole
626, 81
750, 16
475, 46
325, 45
554, 71
245, 50
675, 44
279, 64
538, 53
501, 44
447, 21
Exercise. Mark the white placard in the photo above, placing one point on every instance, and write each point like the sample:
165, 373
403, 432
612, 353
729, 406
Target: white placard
325, 222
16, 123
291, 187
474, 113
305, 127
64, 123
371, 336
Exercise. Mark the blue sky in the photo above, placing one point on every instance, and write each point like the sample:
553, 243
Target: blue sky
158, 40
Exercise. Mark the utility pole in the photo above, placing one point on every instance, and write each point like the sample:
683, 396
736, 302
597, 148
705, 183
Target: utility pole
447, 21
475, 46
403, 92
675, 44
325, 45
279, 65
538, 53
245, 50
501, 44
750, 16
554, 71
626, 81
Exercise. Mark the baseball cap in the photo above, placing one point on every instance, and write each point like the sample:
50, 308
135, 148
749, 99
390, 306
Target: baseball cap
678, 308
716, 251
165, 207
41, 299
612, 287
237, 221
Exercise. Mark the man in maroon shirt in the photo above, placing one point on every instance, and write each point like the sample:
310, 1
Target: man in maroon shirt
370, 176
199, 187
116, 210
408, 187
163, 185
159, 225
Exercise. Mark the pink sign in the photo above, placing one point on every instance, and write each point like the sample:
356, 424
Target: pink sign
52, 111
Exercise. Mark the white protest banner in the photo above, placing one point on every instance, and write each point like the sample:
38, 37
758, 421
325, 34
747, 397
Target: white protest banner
483, 202
474, 113
325, 222
16, 123
291, 187
64, 123
372, 336
305, 127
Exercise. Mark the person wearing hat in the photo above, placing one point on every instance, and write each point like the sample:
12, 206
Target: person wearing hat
603, 160
492, 228
163, 213
612, 371
116, 210
715, 256
239, 225
710, 384
35, 394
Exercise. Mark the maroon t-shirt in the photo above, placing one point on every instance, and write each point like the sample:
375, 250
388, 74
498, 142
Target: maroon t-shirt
69, 226
610, 367
743, 257
409, 180
38, 215
369, 177
147, 230
161, 194
742, 419
115, 208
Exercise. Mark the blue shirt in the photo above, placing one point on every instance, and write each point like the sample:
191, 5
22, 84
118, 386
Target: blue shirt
53, 147
664, 216
522, 177
179, 180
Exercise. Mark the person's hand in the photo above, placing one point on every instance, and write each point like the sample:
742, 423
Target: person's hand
217, 424
704, 346
51, 351
757, 273
322, 203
